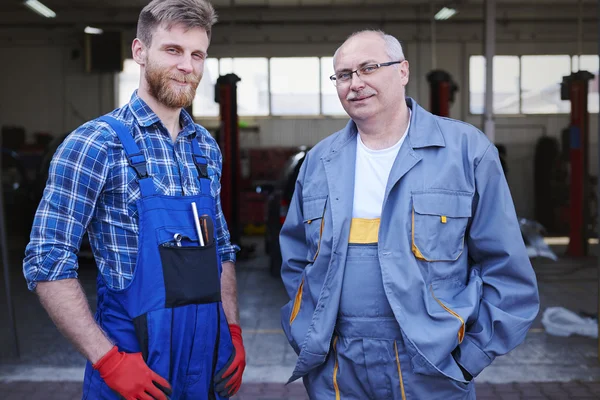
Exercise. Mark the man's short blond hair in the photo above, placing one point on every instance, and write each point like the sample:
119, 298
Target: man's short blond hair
166, 13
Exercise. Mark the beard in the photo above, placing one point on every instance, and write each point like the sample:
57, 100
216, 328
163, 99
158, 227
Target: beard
162, 87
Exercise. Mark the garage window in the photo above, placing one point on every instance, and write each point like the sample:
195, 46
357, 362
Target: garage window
279, 86
129, 80
329, 99
529, 84
204, 103
253, 90
540, 84
506, 84
294, 86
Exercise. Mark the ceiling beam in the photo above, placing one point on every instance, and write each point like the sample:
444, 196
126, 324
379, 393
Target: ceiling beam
506, 14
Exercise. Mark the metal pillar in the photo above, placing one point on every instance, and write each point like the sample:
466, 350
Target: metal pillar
575, 89
490, 51
598, 186
433, 38
4, 249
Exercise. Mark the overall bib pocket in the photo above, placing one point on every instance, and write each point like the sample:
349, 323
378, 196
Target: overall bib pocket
190, 271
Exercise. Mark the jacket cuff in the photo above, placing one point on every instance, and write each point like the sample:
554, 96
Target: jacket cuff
471, 357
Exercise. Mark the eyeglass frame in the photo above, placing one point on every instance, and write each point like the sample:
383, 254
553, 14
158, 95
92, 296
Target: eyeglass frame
334, 79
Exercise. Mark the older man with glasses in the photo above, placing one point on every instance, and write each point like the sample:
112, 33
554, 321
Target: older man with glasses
402, 254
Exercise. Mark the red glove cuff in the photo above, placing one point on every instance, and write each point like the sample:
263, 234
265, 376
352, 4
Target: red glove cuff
236, 332
109, 360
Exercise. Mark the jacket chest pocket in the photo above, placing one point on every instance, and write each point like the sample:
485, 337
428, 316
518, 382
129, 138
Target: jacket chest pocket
439, 222
314, 223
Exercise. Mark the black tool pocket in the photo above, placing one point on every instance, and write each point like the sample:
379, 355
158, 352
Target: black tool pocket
191, 274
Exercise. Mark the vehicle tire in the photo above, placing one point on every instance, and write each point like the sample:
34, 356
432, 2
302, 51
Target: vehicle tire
267, 240
275, 260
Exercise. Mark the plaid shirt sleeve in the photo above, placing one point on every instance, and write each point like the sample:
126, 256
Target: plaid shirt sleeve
76, 176
226, 249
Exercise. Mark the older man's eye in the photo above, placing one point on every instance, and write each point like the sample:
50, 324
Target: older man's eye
343, 76
368, 69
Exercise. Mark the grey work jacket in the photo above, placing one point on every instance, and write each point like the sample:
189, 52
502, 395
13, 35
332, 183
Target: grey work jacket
454, 266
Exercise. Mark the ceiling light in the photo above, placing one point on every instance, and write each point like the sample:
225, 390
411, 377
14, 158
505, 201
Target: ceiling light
39, 8
90, 30
445, 13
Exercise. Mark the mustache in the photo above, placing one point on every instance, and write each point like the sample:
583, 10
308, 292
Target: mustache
363, 93
189, 78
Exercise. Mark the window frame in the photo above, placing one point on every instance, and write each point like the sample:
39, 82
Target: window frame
269, 115
521, 113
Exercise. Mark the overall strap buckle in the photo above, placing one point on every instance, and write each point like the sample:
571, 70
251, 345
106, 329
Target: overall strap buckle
134, 155
199, 160
137, 161
201, 166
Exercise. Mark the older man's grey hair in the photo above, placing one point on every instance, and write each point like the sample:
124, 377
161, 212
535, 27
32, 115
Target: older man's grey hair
393, 48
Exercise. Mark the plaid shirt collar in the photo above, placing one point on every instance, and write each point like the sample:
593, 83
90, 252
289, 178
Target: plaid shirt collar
145, 117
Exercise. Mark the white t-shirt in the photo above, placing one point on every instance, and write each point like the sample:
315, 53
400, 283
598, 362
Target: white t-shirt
371, 174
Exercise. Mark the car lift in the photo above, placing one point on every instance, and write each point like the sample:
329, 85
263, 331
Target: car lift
441, 94
228, 140
575, 88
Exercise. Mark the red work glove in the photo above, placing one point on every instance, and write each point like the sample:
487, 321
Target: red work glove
229, 379
128, 375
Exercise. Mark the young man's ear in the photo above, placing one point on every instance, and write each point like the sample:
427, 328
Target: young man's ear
138, 50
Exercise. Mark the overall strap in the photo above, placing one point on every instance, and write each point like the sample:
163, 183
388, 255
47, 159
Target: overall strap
135, 157
201, 167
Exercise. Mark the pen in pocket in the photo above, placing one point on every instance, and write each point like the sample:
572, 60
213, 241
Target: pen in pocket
197, 223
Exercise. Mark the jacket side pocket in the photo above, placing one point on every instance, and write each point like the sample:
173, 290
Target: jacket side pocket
461, 330
297, 302
314, 215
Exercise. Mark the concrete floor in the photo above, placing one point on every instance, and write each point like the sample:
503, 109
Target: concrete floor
46, 356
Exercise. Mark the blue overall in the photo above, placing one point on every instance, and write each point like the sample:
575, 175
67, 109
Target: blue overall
369, 357
171, 312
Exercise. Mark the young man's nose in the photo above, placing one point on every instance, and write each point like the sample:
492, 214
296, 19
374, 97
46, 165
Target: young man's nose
185, 64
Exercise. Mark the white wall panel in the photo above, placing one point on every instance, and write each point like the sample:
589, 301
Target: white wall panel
32, 85
44, 88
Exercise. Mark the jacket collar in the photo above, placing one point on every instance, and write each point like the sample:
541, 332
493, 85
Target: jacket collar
423, 132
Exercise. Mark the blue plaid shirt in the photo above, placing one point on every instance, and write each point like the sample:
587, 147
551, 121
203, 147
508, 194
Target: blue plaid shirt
91, 186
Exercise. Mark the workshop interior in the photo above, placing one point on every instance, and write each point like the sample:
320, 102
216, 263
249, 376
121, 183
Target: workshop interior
524, 72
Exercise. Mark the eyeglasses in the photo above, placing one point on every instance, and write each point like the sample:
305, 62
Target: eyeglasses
344, 77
